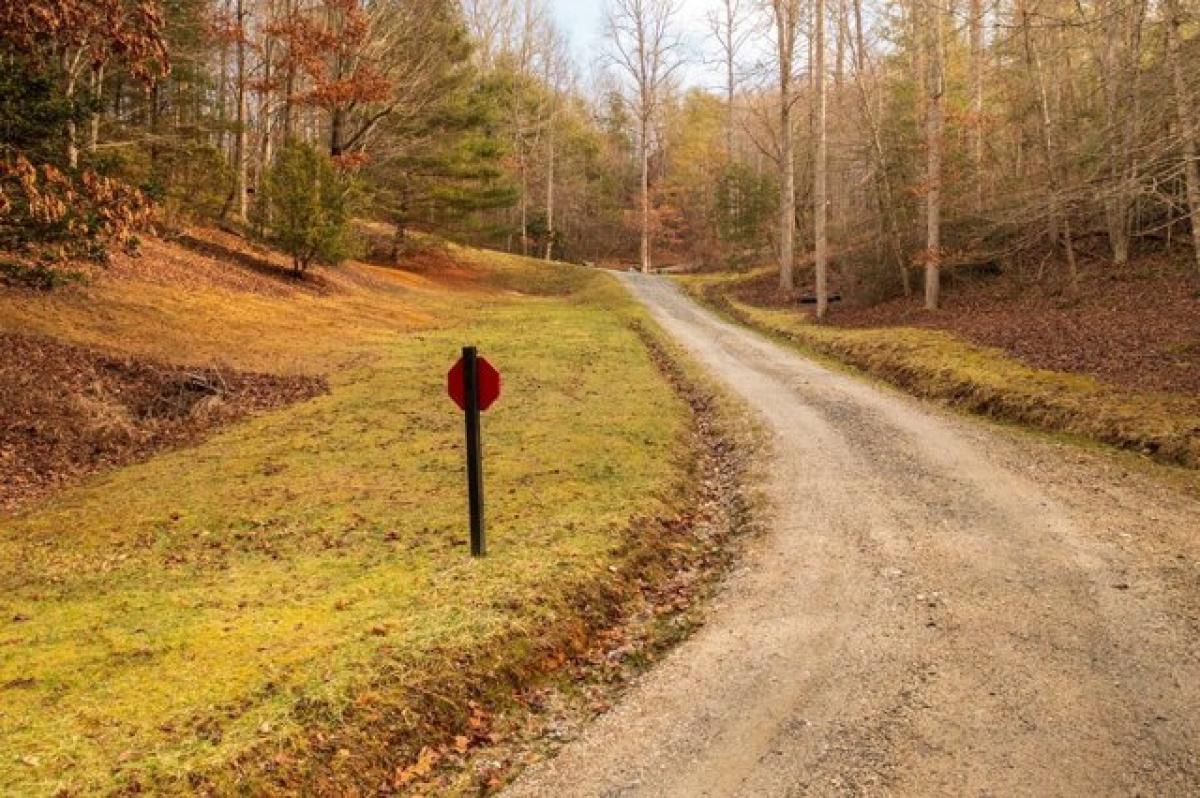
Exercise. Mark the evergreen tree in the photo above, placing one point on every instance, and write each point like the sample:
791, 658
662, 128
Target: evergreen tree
311, 207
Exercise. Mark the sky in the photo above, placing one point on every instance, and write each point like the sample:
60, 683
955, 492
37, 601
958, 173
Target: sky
583, 21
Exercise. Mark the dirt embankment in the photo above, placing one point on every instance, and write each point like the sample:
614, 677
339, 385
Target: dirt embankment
947, 357
1138, 327
70, 411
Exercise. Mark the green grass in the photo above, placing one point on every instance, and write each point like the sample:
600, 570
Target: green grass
303, 576
940, 366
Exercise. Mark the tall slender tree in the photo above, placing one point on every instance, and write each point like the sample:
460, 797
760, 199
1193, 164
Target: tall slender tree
1185, 115
730, 29
869, 102
241, 157
647, 50
935, 86
786, 17
1060, 219
975, 33
821, 165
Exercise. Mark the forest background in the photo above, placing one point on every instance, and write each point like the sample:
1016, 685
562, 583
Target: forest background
855, 144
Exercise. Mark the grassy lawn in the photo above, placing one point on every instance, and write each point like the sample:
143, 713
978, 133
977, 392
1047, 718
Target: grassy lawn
164, 624
940, 366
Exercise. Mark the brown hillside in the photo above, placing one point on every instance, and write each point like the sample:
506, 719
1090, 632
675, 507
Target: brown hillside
1139, 329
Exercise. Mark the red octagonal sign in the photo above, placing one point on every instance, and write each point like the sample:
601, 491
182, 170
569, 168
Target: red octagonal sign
488, 379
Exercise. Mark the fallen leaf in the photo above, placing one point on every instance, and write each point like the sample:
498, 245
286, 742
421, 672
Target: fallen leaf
418, 770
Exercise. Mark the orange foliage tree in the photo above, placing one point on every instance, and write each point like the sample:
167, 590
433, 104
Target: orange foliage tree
50, 209
70, 38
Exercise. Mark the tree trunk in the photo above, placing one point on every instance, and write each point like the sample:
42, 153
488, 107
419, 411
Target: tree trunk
266, 152
550, 192
730, 81
820, 205
524, 207
289, 83
1060, 225
933, 144
94, 121
223, 94
726, 30
645, 198
1186, 116
883, 180
976, 37
337, 127
920, 69
785, 27
839, 60
72, 143
787, 201
1116, 201
241, 157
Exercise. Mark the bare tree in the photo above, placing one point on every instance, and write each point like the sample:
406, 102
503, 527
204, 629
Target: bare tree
648, 50
730, 30
935, 86
1186, 116
529, 110
266, 90
557, 76
241, 147
866, 81
786, 16
820, 168
975, 29
1119, 59
1060, 222
492, 24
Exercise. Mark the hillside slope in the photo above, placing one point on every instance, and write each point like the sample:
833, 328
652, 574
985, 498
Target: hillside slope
1047, 380
1137, 326
288, 604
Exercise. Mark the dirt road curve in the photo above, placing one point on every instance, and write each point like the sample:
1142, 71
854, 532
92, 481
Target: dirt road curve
939, 608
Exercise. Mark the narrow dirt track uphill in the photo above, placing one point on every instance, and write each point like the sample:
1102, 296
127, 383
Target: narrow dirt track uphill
940, 607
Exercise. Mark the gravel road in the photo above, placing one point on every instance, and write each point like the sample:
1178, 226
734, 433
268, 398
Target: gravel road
939, 607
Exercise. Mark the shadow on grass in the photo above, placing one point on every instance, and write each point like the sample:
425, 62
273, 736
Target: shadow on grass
258, 264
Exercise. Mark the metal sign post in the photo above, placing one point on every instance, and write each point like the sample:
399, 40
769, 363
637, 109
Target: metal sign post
474, 451
474, 385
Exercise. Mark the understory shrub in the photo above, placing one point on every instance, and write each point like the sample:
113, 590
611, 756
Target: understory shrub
310, 205
50, 216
